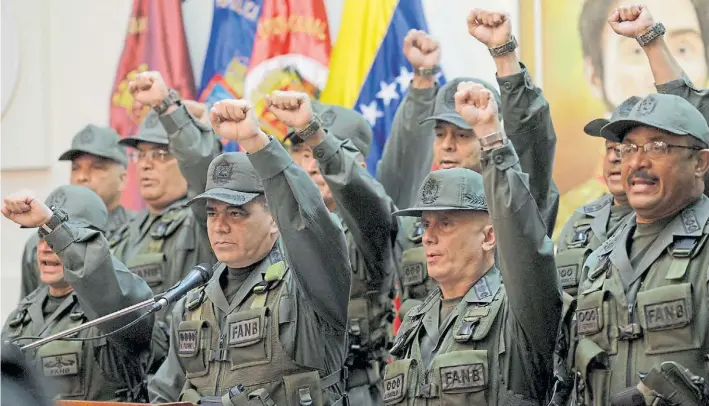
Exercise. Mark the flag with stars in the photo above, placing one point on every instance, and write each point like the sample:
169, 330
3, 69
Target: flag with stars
368, 69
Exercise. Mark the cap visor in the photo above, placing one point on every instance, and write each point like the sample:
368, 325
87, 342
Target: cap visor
417, 211
452, 118
616, 130
594, 127
71, 154
134, 141
226, 195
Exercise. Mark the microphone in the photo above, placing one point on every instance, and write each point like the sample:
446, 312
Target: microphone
198, 276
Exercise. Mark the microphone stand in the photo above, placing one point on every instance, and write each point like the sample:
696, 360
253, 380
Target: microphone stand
147, 303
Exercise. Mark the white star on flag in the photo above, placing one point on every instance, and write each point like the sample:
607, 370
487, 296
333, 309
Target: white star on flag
387, 92
404, 79
370, 112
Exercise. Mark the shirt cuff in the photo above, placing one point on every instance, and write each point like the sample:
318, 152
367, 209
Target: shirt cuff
60, 238
512, 82
174, 121
327, 148
428, 93
503, 157
668, 87
270, 160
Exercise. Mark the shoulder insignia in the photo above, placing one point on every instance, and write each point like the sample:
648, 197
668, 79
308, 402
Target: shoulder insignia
598, 204
689, 221
608, 244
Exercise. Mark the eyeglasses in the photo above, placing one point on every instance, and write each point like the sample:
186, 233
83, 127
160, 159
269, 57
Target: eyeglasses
654, 149
160, 155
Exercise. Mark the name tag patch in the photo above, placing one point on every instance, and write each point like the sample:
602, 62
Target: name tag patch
187, 342
588, 321
666, 315
60, 365
150, 273
463, 377
245, 331
568, 275
394, 388
413, 274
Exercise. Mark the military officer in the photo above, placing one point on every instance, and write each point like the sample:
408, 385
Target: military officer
99, 163
336, 163
270, 326
641, 309
444, 138
475, 341
74, 259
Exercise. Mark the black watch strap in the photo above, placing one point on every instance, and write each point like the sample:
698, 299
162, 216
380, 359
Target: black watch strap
312, 127
172, 98
505, 48
651, 34
58, 218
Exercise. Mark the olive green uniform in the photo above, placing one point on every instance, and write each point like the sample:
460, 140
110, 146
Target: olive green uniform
494, 348
643, 293
278, 327
408, 156
106, 369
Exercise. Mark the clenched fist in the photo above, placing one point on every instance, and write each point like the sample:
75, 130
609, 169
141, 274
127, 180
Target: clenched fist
478, 108
235, 120
292, 108
24, 209
631, 21
492, 28
421, 50
148, 88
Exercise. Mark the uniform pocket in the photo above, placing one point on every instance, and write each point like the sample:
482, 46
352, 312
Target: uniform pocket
665, 315
400, 379
413, 267
193, 339
593, 316
150, 267
62, 363
462, 377
247, 338
303, 389
568, 265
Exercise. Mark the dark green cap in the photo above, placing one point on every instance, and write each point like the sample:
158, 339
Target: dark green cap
343, 123
444, 109
99, 141
231, 179
662, 111
449, 189
593, 128
84, 207
151, 130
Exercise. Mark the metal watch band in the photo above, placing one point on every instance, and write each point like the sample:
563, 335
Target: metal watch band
58, 217
171, 98
651, 34
427, 71
488, 141
312, 127
505, 48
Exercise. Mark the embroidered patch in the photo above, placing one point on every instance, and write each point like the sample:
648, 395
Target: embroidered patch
482, 288
57, 199
328, 117
429, 193
150, 273
86, 136
60, 365
463, 377
394, 388
594, 207
187, 342
222, 172
237, 198
627, 106
474, 200
568, 275
666, 315
588, 321
647, 106
413, 274
689, 221
245, 331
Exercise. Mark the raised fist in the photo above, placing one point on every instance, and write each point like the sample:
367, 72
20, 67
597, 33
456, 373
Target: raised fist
421, 50
476, 105
492, 28
292, 108
148, 88
234, 120
198, 110
631, 21
24, 209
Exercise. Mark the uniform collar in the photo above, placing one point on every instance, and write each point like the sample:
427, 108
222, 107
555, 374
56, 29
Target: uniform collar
596, 207
485, 288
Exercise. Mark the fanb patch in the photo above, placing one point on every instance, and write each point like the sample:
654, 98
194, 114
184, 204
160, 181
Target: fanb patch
429, 193
245, 331
413, 274
647, 106
187, 342
222, 173
150, 273
463, 377
60, 365
328, 117
394, 388
568, 275
666, 315
588, 321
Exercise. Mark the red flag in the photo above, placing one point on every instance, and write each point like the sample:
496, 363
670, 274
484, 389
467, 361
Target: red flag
155, 41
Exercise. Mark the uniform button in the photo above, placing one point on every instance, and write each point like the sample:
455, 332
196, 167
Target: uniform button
499, 159
508, 85
319, 153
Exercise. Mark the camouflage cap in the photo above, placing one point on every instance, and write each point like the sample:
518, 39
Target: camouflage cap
593, 128
343, 123
662, 111
151, 130
84, 207
231, 179
449, 189
444, 108
99, 141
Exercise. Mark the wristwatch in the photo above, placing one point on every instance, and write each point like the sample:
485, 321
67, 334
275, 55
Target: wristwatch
427, 72
487, 142
312, 127
505, 48
648, 36
58, 218
172, 98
